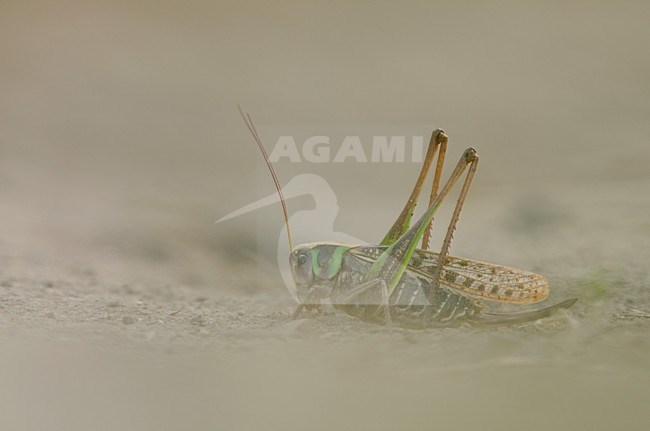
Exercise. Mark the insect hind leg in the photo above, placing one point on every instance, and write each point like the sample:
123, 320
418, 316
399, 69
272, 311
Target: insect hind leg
437, 145
434, 188
435, 284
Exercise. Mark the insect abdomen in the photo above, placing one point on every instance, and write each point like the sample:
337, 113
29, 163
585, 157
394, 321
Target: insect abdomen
406, 303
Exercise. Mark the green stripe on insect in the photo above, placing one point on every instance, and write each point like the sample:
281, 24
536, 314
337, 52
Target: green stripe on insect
330, 261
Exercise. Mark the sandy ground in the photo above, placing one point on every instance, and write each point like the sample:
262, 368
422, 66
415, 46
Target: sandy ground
123, 306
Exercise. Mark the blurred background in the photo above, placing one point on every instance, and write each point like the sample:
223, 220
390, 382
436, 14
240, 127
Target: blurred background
122, 305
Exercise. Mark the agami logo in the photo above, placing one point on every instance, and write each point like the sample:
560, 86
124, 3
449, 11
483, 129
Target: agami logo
319, 149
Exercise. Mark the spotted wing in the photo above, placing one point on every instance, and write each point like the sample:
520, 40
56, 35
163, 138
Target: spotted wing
473, 278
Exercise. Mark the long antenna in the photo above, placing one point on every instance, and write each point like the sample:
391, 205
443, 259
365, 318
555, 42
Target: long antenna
251, 127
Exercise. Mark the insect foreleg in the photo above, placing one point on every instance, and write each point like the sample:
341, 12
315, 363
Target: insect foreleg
352, 297
385, 302
296, 313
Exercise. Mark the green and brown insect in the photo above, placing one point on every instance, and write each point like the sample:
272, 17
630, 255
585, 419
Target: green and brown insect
396, 282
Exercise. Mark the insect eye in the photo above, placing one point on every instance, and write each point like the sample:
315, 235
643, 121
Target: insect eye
302, 259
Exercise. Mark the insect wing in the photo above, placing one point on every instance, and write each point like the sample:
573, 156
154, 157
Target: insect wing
476, 279
493, 282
